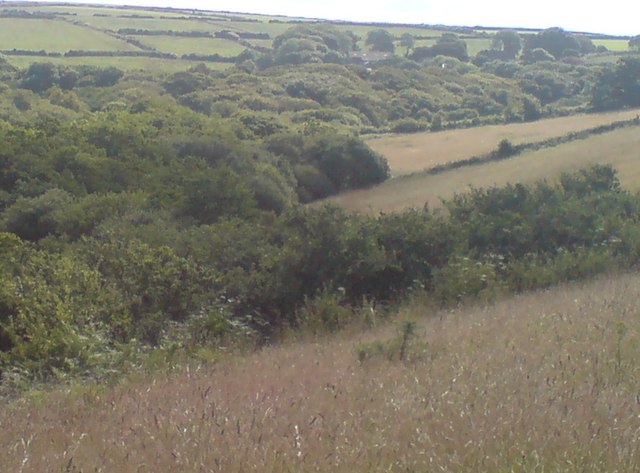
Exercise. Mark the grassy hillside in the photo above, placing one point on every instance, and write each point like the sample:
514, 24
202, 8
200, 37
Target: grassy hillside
618, 148
545, 381
409, 153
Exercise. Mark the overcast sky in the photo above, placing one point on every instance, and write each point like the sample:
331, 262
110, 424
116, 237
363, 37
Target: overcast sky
620, 17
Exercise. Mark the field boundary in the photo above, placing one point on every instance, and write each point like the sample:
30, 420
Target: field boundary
509, 150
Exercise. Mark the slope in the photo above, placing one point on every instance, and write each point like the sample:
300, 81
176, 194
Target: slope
539, 382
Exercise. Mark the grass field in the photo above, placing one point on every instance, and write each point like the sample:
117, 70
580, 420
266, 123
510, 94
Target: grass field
124, 63
55, 36
619, 148
414, 152
542, 382
182, 45
613, 44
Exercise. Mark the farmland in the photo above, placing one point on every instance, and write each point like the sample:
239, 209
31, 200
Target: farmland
176, 296
415, 152
181, 45
545, 381
54, 36
95, 29
618, 148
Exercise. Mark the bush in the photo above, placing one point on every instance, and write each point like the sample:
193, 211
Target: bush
506, 149
323, 313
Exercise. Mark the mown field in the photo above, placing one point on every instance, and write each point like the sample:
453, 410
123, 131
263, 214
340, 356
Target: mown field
546, 381
55, 36
408, 153
618, 148
181, 45
148, 64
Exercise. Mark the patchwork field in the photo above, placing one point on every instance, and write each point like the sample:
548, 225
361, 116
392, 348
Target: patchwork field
540, 382
414, 152
93, 27
619, 148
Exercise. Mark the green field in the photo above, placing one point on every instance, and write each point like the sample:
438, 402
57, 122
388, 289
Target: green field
55, 36
124, 63
95, 26
181, 45
613, 44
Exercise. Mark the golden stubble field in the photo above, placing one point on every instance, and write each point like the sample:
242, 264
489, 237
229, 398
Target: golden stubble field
547, 381
409, 153
620, 148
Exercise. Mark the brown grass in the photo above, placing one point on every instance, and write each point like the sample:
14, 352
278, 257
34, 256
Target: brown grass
620, 148
414, 152
541, 382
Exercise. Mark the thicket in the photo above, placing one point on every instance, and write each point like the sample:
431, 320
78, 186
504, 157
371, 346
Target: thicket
140, 212
88, 277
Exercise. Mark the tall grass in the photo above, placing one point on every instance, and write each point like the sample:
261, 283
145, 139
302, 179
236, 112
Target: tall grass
543, 382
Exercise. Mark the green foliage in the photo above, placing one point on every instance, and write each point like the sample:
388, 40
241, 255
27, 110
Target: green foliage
618, 87
506, 149
153, 284
323, 313
52, 312
448, 44
407, 41
404, 347
145, 211
509, 42
311, 44
555, 41
347, 161
33, 218
380, 40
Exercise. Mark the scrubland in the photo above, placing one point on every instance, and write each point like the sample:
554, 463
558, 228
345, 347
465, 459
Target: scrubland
546, 381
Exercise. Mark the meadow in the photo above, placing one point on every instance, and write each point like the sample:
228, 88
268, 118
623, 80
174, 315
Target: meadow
181, 45
147, 64
409, 153
613, 44
618, 148
545, 381
55, 36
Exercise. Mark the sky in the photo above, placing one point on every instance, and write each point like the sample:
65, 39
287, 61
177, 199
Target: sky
616, 17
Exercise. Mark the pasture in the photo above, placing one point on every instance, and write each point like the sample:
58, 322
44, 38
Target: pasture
613, 44
546, 381
154, 65
618, 148
409, 153
55, 36
92, 28
182, 45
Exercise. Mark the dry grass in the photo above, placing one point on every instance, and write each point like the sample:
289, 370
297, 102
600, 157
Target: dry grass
619, 148
414, 152
537, 383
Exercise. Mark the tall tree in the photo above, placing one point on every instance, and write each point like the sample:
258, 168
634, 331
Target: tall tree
380, 40
407, 41
509, 42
